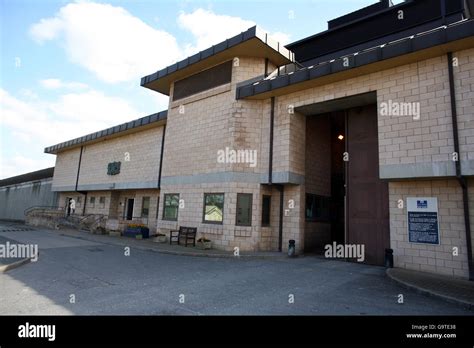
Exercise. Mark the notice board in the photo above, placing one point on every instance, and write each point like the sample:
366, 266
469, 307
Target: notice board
423, 224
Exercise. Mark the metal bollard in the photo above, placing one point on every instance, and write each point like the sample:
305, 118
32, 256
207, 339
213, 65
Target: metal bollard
291, 248
389, 258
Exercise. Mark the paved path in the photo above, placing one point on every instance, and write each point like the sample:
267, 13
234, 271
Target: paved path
103, 280
455, 290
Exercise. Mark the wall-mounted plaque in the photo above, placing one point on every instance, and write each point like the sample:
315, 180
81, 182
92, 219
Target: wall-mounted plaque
113, 168
423, 224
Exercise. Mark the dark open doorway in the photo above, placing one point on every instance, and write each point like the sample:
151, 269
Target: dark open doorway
129, 209
338, 147
325, 181
68, 206
346, 202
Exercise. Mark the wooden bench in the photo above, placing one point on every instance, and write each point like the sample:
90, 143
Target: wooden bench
188, 233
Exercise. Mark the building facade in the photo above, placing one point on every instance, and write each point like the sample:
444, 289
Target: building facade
22, 192
362, 135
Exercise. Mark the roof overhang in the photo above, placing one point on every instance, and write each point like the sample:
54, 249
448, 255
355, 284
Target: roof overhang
251, 43
456, 37
134, 126
343, 103
28, 177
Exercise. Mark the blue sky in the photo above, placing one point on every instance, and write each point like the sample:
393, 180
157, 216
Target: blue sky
69, 68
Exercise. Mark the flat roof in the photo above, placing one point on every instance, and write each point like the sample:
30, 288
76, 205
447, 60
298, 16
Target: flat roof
456, 36
32, 176
119, 130
252, 43
376, 25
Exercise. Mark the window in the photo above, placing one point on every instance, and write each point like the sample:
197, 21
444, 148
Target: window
78, 201
202, 81
317, 208
213, 212
266, 206
170, 209
102, 202
92, 202
244, 209
145, 206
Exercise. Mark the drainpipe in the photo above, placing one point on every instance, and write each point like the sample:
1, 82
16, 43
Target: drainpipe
84, 205
77, 182
161, 155
78, 168
462, 179
270, 175
280, 222
270, 156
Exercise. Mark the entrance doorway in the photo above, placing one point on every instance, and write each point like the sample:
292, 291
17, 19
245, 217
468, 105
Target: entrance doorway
129, 209
338, 177
358, 210
68, 206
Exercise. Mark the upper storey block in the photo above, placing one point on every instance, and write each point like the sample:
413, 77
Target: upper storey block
251, 43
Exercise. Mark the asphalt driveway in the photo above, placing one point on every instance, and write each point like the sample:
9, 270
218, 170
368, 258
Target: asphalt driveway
76, 276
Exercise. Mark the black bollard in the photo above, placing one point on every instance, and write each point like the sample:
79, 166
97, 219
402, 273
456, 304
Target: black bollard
389, 258
291, 248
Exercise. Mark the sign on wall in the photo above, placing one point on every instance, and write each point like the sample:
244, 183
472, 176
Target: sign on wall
423, 224
113, 168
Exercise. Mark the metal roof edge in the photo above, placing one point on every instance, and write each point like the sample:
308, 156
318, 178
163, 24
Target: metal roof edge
439, 36
251, 33
139, 122
28, 177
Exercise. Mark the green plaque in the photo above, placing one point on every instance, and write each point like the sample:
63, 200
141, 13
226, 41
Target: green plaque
113, 168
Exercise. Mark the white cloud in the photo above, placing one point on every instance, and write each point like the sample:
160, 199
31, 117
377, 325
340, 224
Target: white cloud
28, 93
46, 29
159, 101
19, 164
71, 115
282, 38
57, 84
93, 106
108, 41
38, 124
209, 29
126, 48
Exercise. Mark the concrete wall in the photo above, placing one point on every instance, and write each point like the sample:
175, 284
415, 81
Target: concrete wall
139, 172
294, 218
269, 234
408, 148
65, 170
424, 257
201, 125
208, 122
16, 198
